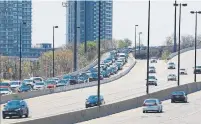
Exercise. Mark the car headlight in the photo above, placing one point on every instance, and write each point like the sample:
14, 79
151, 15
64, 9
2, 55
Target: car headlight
87, 102
17, 109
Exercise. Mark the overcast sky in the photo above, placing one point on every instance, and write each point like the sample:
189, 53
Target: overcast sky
126, 14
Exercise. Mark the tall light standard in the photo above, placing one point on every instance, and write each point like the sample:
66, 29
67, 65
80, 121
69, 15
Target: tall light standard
175, 27
135, 39
20, 70
139, 42
196, 18
53, 51
99, 39
147, 83
178, 71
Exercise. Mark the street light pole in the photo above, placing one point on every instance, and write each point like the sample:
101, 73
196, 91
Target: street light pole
178, 70
175, 28
139, 42
99, 38
20, 69
135, 39
53, 52
147, 83
75, 38
196, 13
85, 28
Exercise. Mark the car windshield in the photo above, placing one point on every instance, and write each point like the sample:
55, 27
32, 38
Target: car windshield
178, 93
12, 104
152, 77
171, 75
37, 79
39, 83
93, 97
171, 63
14, 83
198, 66
27, 80
121, 55
25, 86
150, 101
50, 82
4, 89
4, 84
62, 81
182, 69
152, 67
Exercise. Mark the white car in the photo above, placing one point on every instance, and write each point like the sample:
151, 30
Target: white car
152, 105
171, 65
14, 84
39, 86
152, 69
183, 71
28, 82
152, 80
36, 79
5, 91
172, 77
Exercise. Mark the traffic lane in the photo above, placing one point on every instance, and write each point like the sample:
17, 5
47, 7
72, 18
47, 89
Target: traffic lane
174, 113
64, 102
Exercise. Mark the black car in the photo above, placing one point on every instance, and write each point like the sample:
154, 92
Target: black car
15, 108
93, 101
179, 96
197, 70
73, 80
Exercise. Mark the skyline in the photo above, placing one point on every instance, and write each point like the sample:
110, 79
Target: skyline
162, 22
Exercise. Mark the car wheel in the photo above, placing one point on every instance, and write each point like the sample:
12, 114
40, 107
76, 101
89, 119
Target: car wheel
172, 101
27, 115
144, 111
20, 116
86, 106
4, 116
155, 84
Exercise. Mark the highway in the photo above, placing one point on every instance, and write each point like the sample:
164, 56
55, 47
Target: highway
129, 86
174, 113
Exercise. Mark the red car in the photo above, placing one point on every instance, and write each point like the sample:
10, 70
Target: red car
4, 85
51, 84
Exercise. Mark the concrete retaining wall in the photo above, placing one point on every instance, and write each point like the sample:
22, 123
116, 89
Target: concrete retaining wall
182, 51
108, 109
32, 94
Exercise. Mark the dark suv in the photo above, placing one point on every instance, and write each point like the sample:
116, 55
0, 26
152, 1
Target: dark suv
15, 108
179, 96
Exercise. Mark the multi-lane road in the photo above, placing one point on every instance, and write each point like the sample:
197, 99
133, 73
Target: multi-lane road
174, 113
131, 85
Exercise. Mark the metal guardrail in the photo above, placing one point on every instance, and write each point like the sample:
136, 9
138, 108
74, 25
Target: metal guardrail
182, 51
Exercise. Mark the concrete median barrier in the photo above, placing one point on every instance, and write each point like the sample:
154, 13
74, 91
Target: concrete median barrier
108, 109
33, 94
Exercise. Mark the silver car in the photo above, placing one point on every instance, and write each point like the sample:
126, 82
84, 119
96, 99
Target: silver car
152, 105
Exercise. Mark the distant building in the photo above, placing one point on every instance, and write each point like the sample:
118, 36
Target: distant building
87, 20
12, 16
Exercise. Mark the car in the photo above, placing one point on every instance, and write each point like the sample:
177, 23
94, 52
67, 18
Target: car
62, 83
94, 77
93, 101
24, 88
179, 96
197, 70
5, 91
111, 59
122, 56
15, 108
50, 84
73, 80
183, 71
119, 65
83, 79
36, 79
105, 73
152, 69
15, 84
39, 86
152, 104
108, 62
153, 60
172, 77
123, 59
115, 68
55, 79
4, 85
152, 80
120, 61
171, 65
30, 82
